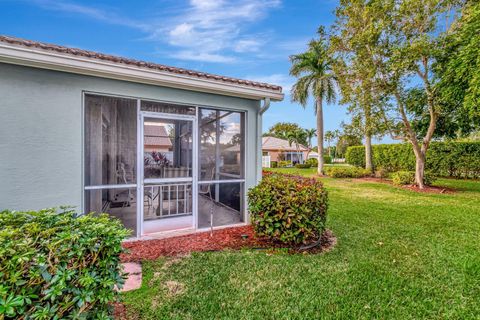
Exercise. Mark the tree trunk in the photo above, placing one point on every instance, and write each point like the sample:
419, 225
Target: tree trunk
419, 168
320, 135
368, 153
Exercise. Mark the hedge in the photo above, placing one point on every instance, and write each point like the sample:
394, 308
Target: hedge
446, 159
55, 265
408, 177
286, 208
346, 172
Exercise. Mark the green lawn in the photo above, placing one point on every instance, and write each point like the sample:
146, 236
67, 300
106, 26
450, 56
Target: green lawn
400, 255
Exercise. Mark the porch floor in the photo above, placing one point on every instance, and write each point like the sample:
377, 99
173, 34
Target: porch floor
222, 216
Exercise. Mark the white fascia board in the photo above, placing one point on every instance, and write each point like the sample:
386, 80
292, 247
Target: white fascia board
105, 69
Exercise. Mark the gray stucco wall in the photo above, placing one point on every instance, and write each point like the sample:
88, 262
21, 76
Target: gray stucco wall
41, 139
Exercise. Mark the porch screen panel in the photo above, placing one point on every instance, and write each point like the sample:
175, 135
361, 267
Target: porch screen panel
222, 145
220, 204
110, 140
110, 151
221, 196
119, 203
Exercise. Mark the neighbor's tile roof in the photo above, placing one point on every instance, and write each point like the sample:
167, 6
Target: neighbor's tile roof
156, 135
272, 143
132, 62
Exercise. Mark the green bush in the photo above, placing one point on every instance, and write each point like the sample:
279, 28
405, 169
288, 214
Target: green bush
381, 173
302, 166
273, 164
408, 177
313, 162
283, 164
290, 209
54, 265
346, 172
446, 159
403, 177
327, 159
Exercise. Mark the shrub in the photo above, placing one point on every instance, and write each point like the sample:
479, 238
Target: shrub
54, 265
381, 173
289, 209
408, 177
313, 162
283, 164
302, 166
403, 177
346, 172
273, 164
447, 159
327, 159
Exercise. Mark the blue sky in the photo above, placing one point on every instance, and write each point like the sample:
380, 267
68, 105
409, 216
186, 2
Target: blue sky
249, 39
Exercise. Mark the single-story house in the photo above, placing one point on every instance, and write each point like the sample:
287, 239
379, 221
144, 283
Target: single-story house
161, 148
277, 149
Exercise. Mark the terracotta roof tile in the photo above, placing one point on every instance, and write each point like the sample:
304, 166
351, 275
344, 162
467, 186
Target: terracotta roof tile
138, 63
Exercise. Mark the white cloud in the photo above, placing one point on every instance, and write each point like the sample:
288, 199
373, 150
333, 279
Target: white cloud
202, 56
91, 12
247, 45
204, 30
209, 28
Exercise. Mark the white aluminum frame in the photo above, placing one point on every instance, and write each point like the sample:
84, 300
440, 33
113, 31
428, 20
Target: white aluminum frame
141, 181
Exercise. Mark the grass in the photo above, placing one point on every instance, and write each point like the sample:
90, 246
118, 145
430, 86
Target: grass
400, 255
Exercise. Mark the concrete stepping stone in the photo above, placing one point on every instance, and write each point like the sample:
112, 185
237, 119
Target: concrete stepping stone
134, 272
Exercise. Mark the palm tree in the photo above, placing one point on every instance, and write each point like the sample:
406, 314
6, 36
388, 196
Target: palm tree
309, 135
329, 136
296, 137
313, 70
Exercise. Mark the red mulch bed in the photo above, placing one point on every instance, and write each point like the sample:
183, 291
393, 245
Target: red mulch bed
413, 187
228, 238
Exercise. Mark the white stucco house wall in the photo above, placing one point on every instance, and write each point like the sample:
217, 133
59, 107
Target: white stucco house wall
77, 130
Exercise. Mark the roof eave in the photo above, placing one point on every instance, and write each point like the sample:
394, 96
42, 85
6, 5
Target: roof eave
80, 65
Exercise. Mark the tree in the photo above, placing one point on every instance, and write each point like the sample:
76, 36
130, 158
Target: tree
350, 136
458, 66
315, 78
401, 40
282, 129
354, 33
309, 135
296, 137
329, 137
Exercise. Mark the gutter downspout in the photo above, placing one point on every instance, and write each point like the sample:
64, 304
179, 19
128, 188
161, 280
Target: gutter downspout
266, 105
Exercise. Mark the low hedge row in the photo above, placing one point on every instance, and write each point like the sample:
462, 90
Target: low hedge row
55, 265
287, 208
303, 166
408, 177
346, 172
447, 159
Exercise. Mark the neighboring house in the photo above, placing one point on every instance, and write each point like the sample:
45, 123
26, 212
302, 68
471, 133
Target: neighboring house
160, 148
313, 155
280, 150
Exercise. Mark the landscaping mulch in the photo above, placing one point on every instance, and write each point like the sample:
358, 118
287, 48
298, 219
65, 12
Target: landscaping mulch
413, 187
234, 238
